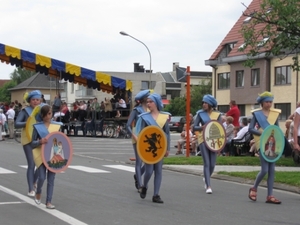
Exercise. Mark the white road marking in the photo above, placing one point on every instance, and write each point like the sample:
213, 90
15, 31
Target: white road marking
121, 167
25, 167
54, 212
88, 169
5, 171
9, 203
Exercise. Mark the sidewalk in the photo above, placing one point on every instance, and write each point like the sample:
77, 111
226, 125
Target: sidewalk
198, 171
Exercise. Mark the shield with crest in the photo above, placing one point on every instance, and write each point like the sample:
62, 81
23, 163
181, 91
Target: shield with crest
152, 144
57, 152
214, 136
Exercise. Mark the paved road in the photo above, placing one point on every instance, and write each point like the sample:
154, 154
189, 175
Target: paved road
98, 189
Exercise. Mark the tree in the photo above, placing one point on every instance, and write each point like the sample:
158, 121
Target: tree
273, 30
5, 93
177, 106
19, 75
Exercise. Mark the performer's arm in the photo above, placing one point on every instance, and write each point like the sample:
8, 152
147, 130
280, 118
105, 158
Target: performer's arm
21, 119
252, 128
197, 127
167, 131
35, 139
130, 120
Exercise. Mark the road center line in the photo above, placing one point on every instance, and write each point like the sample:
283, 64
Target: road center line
54, 212
10, 203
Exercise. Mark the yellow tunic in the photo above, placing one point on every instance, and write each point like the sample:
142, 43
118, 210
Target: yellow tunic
37, 152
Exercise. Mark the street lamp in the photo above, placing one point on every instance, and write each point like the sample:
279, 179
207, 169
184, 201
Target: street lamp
125, 34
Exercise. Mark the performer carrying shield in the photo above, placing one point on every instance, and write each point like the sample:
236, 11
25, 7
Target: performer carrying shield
203, 116
160, 119
41, 130
34, 99
262, 118
139, 108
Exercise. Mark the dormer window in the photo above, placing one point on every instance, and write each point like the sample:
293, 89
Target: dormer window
247, 20
263, 42
228, 48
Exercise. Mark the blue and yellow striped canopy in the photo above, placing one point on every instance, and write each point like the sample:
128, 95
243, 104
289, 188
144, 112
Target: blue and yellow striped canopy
60, 69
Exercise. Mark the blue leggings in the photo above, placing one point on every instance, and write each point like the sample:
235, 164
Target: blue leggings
50, 182
31, 174
139, 168
157, 168
269, 168
209, 162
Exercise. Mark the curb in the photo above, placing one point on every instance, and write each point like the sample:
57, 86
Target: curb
278, 186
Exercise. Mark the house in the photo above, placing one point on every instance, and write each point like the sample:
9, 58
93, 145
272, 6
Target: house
47, 85
232, 81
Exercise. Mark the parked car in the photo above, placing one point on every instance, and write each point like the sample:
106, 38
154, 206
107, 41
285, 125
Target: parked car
175, 124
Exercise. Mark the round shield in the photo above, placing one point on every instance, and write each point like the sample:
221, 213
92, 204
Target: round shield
214, 136
29, 127
152, 144
57, 153
272, 143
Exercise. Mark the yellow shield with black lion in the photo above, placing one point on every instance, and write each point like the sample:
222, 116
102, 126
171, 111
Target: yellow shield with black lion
151, 144
214, 136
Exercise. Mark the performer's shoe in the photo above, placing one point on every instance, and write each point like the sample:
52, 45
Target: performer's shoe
273, 200
135, 182
208, 191
157, 199
31, 194
50, 206
143, 193
37, 199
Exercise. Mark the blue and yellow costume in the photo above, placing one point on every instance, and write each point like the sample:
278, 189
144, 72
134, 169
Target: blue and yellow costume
145, 120
41, 131
258, 123
21, 123
209, 157
133, 117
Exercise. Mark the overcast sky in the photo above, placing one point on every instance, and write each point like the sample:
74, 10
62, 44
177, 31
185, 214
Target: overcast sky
86, 33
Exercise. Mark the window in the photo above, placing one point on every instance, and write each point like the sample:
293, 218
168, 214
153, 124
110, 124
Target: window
242, 109
285, 110
282, 75
224, 80
262, 42
145, 85
255, 78
228, 48
223, 108
239, 78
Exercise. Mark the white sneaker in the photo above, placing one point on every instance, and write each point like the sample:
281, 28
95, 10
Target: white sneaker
31, 194
204, 183
208, 191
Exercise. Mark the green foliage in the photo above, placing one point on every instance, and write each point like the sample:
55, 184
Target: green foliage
273, 30
177, 106
5, 95
19, 75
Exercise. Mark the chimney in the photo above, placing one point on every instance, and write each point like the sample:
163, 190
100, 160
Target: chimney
175, 65
136, 67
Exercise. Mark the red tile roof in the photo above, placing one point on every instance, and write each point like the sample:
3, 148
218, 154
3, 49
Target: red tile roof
234, 35
2, 82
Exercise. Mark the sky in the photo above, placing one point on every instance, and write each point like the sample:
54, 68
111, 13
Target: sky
87, 33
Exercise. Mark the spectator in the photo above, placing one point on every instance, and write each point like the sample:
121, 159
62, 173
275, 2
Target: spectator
182, 139
43, 99
241, 133
108, 107
57, 104
11, 121
121, 104
234, 112
2, 123
292, 116
229, 135
95, 107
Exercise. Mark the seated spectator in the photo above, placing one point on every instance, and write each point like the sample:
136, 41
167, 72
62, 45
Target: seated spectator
241, 133
253, 150
182, 139
121, 104
108, 107
229, 135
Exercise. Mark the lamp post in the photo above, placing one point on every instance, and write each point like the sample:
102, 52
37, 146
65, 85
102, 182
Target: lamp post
125, 34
